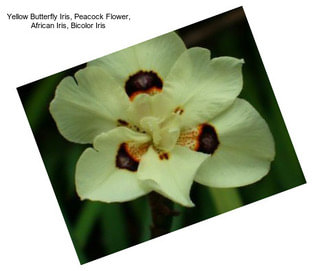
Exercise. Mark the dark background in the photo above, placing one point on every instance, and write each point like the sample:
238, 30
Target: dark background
98, 229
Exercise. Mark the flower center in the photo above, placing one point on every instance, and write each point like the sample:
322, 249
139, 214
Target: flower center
164, 133
143, 82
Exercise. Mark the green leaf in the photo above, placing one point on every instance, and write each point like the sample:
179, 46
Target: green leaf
85, 222
114, 228
226, 199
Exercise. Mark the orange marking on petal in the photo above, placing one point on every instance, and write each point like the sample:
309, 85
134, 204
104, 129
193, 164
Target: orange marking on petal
151, 91
203, 138
189, 138
136, 151
143, 82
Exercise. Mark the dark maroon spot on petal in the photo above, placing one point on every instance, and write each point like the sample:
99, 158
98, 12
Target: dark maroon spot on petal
208, 140
124, 159
143, 82
164, 156
122, 122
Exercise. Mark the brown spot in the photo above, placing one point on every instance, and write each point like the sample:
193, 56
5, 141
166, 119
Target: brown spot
179, 110
208, 140
163, 156
124, 160
122, 122
202, 138
143, 82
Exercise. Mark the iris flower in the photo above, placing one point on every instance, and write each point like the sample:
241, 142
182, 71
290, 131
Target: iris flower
160, 116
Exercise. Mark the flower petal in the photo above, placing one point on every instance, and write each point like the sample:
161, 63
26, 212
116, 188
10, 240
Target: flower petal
88, 106
202, 88
107, 175
245, 151
157, 55
153, 114
158, 106
171, 174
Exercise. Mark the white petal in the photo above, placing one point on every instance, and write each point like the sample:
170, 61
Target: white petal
171, 176
159, 106
97, 175
92, 105
158, 55
245, 151
202, 88
154, 115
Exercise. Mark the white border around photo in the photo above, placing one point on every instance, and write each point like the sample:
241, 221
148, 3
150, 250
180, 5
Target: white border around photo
282, 232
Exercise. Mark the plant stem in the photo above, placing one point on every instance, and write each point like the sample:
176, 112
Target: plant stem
162, 214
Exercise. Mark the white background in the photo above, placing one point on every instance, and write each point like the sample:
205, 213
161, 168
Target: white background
283, 232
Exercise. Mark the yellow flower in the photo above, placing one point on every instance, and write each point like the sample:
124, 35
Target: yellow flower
160, 116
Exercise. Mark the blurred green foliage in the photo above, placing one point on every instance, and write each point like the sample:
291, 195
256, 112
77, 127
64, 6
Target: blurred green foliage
98, 229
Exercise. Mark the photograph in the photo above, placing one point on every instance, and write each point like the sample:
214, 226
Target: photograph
161, 135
